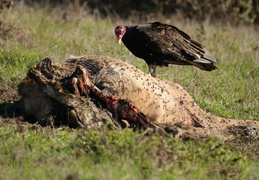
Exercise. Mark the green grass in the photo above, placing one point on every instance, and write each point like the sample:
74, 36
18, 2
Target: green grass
31, 152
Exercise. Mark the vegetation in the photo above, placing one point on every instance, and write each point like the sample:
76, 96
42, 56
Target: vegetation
32, 152
29, 34
229, 11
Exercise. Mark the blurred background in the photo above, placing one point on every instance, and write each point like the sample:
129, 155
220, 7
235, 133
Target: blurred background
234, 11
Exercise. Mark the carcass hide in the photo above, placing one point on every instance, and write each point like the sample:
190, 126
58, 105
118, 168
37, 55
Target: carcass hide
90, 91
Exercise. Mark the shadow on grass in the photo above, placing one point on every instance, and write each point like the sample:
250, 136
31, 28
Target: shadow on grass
10, 110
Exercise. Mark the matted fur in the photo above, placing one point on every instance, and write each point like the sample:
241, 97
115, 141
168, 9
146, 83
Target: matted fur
167, 104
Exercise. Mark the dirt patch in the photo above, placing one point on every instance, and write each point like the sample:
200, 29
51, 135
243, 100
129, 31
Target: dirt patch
9, 105
11, 31
8, 93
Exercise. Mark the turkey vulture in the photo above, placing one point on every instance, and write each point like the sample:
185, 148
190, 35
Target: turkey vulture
162, 44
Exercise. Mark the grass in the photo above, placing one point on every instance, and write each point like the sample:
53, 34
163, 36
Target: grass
32, 152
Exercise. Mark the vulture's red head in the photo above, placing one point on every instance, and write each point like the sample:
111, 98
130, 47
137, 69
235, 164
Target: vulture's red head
120, 31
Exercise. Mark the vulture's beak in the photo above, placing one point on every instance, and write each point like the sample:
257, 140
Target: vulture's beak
119, 37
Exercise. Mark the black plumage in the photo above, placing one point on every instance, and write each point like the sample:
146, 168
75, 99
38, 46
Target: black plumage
161, 44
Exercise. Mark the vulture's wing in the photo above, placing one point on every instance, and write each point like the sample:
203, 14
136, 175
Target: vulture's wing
169, 40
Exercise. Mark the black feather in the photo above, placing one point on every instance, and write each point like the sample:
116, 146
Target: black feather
162, 44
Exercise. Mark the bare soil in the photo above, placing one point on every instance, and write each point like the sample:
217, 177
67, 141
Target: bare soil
9, 105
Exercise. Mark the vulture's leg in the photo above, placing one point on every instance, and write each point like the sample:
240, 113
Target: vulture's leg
149, 68
152, 69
